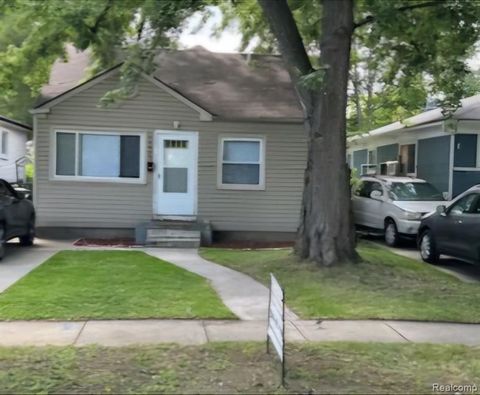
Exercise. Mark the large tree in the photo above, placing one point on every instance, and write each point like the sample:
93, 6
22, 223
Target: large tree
431, 38
417, 35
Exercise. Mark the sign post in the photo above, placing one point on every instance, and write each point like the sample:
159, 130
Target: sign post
276, 322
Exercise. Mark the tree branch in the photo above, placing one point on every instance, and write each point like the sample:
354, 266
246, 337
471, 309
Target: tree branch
280, 19
93, 29
371, 18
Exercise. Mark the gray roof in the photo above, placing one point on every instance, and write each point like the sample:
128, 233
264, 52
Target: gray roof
227, 85
469, 110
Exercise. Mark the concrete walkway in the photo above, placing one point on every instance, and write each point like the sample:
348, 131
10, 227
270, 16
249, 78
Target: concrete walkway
245, 297
465, 272
128, 332
19, 261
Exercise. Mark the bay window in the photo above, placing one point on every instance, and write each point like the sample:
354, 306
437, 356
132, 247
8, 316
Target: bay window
99, 156
241, 163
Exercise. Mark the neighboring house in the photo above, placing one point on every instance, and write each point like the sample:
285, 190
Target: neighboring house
208, 137
13, 140
445, 152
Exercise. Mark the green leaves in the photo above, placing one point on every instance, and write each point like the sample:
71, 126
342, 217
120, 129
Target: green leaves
112, 30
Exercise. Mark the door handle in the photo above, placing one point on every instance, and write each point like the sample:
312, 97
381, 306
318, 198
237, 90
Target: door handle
459, 221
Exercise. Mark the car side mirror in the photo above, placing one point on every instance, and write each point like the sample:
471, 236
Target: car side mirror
377, 195
441, 210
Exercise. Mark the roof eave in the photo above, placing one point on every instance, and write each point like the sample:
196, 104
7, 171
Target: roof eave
24, 127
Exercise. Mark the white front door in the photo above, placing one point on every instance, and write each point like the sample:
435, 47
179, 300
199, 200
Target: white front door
175, 185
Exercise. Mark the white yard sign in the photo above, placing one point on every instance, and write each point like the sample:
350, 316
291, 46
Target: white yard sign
276, 318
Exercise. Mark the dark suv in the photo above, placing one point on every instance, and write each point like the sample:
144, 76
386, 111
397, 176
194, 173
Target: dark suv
453, 230
17, 217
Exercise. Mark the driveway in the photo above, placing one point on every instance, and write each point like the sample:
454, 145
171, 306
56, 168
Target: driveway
18, 260
464, 271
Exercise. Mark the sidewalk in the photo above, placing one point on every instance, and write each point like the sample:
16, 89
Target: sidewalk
244, 296
186, 332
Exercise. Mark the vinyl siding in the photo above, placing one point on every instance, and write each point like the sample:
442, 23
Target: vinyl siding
433, 161
462, 180
360, 158
120, 205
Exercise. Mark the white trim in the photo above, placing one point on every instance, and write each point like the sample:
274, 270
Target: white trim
247, 187
79, 130
45, 109
185, 218
155, 178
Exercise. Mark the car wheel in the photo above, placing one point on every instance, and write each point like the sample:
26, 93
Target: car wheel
27, 239
391, 233
428, 248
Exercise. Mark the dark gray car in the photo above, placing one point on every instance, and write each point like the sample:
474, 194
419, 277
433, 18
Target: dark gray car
17, 217
453, 230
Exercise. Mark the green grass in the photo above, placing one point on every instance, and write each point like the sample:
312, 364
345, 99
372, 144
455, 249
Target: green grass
108, 285
238, 368
383, 286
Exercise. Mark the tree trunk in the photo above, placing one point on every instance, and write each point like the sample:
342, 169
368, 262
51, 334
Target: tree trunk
326, 234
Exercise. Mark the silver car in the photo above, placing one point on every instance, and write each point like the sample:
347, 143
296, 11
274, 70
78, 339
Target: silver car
393, 206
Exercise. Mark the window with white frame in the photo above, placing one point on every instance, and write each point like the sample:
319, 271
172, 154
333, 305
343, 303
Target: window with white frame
4, 143
242, 163
98, 155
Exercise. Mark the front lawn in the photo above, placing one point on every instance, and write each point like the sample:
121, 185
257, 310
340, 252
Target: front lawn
238, 368
109, 285
384, 286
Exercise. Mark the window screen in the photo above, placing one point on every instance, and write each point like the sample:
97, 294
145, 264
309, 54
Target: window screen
65, 154
241, 162
97, 155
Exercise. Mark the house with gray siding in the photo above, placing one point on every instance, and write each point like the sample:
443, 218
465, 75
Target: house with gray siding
13, 145
443, 151
207, 138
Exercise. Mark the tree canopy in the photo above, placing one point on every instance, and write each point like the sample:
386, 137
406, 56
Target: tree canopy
388, 56
403, 52
401, 55
34, 33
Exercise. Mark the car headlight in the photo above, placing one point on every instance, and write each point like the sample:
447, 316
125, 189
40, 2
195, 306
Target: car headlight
412, 216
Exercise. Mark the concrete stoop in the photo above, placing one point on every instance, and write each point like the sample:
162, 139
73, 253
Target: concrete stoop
173, 234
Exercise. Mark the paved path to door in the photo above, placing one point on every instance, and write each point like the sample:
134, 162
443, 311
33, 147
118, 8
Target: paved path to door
128, 332
19, 261
246, 297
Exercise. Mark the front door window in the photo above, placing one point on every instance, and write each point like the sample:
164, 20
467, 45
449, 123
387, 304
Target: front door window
175, 168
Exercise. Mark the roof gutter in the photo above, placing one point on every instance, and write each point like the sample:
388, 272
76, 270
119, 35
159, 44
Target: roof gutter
15, 123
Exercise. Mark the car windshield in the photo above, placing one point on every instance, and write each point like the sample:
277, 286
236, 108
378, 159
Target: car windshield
422, 191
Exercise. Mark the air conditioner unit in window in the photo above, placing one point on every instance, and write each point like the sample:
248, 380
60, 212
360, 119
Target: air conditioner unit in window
368, 170
391, 168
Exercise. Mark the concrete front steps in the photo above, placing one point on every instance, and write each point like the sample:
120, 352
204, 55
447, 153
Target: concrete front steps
173, 234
